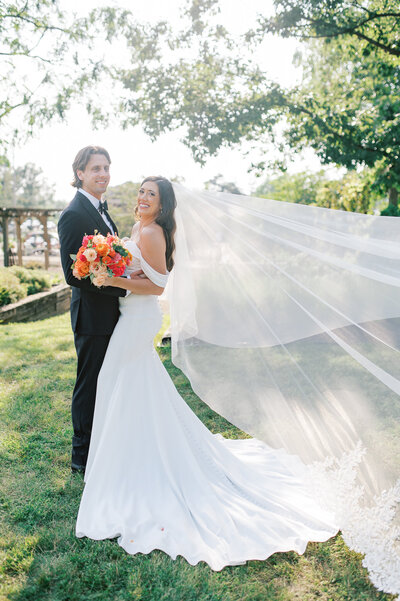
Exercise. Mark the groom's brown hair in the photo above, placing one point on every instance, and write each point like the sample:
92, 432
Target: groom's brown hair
82, 159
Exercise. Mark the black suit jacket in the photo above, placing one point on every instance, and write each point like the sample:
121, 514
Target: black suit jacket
94, 311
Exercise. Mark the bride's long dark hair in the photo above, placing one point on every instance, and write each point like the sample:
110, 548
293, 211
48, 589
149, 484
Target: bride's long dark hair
166, 218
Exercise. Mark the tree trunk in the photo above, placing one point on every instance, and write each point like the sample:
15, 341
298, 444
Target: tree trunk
393, 197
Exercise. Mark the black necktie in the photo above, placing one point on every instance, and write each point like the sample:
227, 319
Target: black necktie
103, 207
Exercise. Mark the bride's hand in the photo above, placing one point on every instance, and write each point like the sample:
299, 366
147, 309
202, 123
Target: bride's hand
108, 281
137, 274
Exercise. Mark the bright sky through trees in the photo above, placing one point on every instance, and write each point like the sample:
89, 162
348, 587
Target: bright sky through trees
133, 154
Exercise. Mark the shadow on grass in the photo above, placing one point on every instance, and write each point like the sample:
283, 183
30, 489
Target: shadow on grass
42, 560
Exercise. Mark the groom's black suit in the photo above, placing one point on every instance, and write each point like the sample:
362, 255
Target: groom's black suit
94, 314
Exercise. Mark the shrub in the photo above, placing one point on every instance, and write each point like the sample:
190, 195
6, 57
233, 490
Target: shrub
391, 211
33, 265
36, 280
11, 289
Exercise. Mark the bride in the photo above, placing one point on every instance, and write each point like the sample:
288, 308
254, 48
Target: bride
286, 320
156, 477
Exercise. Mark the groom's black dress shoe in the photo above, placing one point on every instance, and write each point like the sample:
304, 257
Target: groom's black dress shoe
77, 469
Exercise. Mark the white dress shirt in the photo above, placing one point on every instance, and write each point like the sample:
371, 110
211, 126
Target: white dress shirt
96, 203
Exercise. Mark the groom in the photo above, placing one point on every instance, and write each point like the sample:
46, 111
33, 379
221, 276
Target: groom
94, 311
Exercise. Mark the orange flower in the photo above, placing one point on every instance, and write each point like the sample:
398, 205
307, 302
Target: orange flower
102, 249
82, 268
107, 260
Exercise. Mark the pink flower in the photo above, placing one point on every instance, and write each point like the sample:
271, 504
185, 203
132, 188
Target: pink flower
98, 268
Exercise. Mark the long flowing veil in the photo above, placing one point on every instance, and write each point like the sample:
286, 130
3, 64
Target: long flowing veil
286, 320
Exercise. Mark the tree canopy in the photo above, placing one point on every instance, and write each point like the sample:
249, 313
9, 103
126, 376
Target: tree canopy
25, 187
206, 83
347, 107
374, 23
122, 202
351, 192
48, 60
218, 184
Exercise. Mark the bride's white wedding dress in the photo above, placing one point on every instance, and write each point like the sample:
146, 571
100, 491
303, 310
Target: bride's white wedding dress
157, 478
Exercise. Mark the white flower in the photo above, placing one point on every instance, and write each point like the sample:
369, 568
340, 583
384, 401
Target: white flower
90, 254
99, 280
99, 239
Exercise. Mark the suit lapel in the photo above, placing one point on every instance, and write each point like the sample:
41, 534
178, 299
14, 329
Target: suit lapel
113, 224
94, 214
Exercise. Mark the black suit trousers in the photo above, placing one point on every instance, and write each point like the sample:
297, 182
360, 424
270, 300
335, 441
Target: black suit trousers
90, 350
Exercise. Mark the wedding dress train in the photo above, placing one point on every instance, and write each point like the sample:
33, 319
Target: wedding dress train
157, 478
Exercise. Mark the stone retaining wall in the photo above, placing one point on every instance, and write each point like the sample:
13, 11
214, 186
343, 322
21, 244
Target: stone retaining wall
38, 306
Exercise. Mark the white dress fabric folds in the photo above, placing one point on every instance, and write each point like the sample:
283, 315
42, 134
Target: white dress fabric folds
157, 478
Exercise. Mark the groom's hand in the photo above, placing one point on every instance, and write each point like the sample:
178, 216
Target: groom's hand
135, 275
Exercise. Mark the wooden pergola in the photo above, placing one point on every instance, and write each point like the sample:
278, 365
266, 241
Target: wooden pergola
19, 216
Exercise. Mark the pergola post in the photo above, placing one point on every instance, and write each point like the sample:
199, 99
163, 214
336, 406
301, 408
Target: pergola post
19, 239
4, 225
46, 237
20, 215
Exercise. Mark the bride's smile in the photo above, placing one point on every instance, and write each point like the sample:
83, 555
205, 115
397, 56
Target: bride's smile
148, 203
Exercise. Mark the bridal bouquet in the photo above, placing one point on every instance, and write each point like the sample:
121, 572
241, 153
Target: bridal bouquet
100, 257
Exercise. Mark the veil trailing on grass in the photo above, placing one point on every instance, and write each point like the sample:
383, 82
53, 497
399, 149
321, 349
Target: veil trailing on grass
286, 320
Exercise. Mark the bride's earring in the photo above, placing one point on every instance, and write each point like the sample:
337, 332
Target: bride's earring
161, 211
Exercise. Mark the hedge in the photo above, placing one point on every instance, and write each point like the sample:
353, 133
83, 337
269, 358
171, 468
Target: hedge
17, 282
11, 289
36, 280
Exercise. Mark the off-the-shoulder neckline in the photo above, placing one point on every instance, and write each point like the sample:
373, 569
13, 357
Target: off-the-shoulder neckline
135, 243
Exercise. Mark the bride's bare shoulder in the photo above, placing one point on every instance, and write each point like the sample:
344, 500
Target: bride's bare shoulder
153, 231
153, 245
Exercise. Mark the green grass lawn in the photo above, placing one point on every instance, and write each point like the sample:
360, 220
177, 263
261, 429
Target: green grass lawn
41, 559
